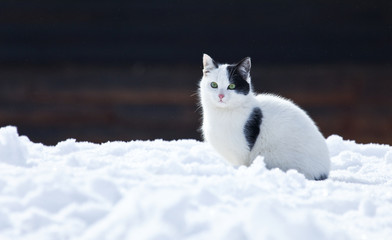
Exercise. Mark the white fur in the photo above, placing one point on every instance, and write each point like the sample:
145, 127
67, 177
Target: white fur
288, 138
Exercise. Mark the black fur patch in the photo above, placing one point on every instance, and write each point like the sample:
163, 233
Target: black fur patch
252, 127
322, 177
235, 77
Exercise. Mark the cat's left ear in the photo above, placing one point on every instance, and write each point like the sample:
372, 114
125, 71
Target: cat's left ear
208, 64
243, 67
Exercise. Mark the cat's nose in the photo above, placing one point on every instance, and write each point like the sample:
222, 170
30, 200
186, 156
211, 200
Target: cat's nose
221, 96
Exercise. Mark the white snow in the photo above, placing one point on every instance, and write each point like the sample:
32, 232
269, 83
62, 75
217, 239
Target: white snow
184, 190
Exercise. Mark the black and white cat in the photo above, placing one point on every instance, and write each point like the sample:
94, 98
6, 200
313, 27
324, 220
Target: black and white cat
241, 125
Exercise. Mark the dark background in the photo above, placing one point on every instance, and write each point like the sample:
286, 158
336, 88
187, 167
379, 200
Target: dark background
124, 70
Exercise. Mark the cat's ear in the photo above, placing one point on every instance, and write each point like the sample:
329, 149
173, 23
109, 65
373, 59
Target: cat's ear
208, 64
243, 67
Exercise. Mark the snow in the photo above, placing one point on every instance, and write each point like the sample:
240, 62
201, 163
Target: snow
184, 190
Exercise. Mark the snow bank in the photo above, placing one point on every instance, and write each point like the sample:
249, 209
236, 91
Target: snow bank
184, 190
13, 150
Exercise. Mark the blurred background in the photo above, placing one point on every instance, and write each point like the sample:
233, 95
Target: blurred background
124, 70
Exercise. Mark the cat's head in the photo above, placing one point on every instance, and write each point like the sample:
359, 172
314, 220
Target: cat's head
225, 85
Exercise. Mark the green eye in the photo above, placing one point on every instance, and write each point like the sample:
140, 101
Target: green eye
214, 85
231, 86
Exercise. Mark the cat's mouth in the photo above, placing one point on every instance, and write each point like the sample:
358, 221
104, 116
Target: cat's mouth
222, 100
221, 103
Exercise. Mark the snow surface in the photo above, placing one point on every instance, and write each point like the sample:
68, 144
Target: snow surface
184, 190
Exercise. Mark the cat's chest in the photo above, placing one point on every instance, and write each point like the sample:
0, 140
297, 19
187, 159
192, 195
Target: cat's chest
226, 129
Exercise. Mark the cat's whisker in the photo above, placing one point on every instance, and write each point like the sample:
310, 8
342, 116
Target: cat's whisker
195, 94
197, 109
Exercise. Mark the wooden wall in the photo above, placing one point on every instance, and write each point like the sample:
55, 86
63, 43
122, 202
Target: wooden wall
118, 31
122, 70
101, 103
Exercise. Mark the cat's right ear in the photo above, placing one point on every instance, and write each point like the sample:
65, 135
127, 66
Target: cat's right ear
208, 64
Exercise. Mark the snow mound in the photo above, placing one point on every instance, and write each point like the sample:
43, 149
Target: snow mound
12, 147
184, 190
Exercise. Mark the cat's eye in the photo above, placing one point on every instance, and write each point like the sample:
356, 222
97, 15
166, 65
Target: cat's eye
231, 86
214, 85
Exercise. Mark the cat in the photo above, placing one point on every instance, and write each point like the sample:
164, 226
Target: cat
241, 125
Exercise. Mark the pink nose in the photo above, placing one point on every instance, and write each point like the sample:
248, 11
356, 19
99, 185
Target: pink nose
221, 96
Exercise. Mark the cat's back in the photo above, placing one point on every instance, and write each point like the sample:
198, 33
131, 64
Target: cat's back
290, 138
282, 119
272, 101
279, 109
